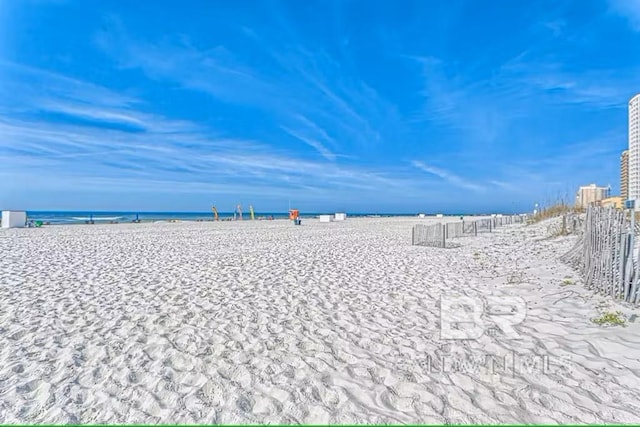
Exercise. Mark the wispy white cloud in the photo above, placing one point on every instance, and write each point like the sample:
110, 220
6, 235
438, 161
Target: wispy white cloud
551, 82
629, 9
448, 176
504, 185
297, 83
484, 109
556, 26
452, 99
304, 129
324, 151
162, 153
90, 112
491, 122
215, 71
557, 175
28, 82
92, 153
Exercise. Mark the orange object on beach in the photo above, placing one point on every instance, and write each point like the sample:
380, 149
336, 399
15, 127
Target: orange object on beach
293, 213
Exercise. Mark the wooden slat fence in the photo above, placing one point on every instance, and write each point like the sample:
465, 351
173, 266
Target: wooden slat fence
438, 235
485, 225
429, 235
569, 223
604, 255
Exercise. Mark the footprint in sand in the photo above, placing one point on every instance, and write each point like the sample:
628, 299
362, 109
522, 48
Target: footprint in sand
181, 362
29, 387
245, 404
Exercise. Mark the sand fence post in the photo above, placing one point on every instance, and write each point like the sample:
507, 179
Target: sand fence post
604, 254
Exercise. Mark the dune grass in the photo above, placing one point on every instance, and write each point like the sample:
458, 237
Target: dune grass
610, 318
554, 211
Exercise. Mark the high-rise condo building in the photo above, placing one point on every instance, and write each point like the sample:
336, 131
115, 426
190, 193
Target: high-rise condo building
590, 195
624, 175
634, 150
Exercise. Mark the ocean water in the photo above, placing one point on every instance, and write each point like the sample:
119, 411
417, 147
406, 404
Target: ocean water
82, 217
63, 217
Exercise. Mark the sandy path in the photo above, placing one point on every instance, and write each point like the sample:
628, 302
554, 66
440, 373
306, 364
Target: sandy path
266, 322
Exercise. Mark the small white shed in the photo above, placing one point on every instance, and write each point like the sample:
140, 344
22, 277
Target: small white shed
439, 216
14, 219
326, 218
340, 216
421, 215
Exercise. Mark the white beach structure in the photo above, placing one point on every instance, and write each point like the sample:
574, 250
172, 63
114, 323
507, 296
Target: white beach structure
340, 217
14, 219
326, 218
634, 151
439, 216
421, 215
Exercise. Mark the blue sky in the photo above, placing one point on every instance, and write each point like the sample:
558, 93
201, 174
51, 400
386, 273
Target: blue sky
386, 106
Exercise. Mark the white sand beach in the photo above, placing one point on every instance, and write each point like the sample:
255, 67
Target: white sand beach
267, 322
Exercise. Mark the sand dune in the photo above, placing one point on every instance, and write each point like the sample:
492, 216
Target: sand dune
257, 322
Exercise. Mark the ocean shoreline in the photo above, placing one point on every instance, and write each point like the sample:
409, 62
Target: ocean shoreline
70, 217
